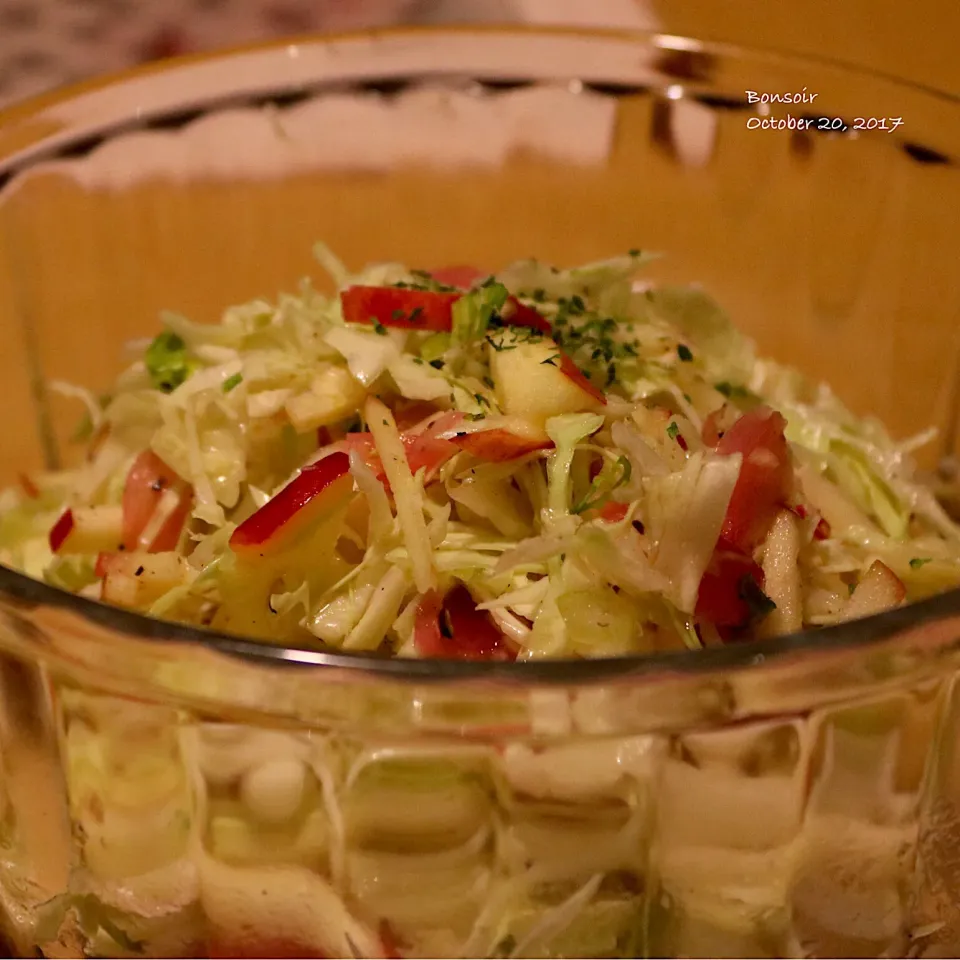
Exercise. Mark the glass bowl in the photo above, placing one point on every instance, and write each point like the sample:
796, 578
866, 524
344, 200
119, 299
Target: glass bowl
171, 792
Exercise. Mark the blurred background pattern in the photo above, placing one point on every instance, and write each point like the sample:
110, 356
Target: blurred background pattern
44, 43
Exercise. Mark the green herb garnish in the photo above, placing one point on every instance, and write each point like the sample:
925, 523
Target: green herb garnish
683, 352
231, 382
733, 391
917, 562
167, 361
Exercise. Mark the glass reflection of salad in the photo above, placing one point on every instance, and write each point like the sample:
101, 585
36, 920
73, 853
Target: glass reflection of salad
542, 463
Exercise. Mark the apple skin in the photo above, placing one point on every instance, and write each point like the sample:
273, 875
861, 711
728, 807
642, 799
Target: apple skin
495, 440
400, 308
431, 310
517, 314
505, 439
149, 477
892, 584
317, 491
474, 634
879, 589
104, 561
574, 374
61, 530
84, 530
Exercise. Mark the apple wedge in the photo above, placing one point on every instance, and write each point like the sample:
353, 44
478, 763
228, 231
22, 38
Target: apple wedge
87, 530
473, 635
104, 559
879, 589
333, 396
319, 491
498, 439
156, 504
535, 381
398, 307
136, 580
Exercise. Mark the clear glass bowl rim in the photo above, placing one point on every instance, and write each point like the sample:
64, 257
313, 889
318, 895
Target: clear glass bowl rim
840, 639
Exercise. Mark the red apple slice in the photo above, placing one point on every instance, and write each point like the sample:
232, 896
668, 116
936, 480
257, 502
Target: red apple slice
613, 512
399, 307
102, 566
517, 314
430, 310
499, 439
574, 374
151, 486
61, 530
429, 447
87, 530
425, 448
720, 598
472, 634
317, 492
766, 475
495, 439
879, 589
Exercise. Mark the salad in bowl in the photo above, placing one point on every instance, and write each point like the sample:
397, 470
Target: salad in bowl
540, 463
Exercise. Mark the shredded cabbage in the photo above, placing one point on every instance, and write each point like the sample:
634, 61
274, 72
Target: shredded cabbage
588, 530
684, 515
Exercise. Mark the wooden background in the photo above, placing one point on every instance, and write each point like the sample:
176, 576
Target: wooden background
80, 322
